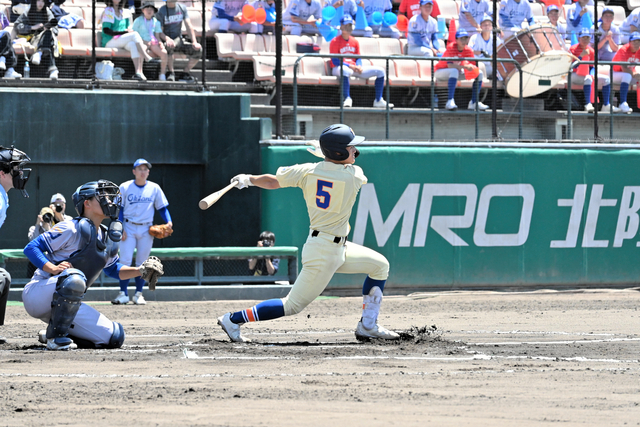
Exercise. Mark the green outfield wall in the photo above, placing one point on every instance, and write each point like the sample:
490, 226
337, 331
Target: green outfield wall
483, 217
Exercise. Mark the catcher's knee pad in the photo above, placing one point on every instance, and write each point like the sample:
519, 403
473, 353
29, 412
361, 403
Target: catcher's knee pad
5, 281
66, 301
117, 338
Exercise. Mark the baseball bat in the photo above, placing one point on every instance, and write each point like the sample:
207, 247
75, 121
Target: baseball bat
212, 198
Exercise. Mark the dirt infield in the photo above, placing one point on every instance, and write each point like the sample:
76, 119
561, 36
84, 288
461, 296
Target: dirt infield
472, 358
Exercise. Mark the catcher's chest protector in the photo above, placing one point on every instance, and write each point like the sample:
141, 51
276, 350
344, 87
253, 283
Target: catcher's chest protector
93, 255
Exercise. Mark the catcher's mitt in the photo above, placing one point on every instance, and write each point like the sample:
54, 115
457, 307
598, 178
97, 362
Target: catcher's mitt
150, 270
161, 231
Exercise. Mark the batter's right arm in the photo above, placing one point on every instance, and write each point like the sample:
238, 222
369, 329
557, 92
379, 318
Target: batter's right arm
267, 181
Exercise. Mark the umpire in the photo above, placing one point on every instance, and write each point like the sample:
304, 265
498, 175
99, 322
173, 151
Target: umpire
12, 175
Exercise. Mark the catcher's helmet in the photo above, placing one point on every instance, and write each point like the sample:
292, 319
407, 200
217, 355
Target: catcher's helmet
335, 139
107, 193
13, 161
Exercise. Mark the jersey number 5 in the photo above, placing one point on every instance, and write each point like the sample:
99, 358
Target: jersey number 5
323, 197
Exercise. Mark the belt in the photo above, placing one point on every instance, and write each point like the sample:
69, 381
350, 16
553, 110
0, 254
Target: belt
336, 239
136, 223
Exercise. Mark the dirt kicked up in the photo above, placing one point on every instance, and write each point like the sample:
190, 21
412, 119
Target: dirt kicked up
464, 358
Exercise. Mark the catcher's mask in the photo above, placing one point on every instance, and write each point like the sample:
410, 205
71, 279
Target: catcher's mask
107, 193
335, 139
12, 161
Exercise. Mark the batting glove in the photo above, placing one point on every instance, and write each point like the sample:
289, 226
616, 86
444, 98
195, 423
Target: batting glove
243, 181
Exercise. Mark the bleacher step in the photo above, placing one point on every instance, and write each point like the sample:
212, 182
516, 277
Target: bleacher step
260, 99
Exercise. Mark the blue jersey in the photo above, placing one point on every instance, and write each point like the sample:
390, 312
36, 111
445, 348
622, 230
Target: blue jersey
303, 10
605, 53
140, 203
632, 19
477, 9
371, 6
421, 32
574, 20
4, 204
228, 9
513, 13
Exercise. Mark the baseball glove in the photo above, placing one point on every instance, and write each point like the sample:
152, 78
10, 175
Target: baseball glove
161, 231
150, 270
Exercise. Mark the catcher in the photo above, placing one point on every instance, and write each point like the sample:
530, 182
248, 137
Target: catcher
140, 199
69, 258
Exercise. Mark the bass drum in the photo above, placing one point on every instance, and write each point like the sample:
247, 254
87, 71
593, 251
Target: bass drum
542, 55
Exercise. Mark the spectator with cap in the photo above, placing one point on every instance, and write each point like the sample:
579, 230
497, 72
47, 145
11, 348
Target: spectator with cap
422, 34
610, 36
140, 198
450, 71
171, 16
625, 75
149, 29
482, 45
346, 44
585, 52
553, 13
630, 25
515, 15
350, 7
471, 14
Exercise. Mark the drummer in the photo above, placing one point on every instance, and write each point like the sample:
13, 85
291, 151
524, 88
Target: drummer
515, 15
452, 70
553, 13
482, 44
582, 74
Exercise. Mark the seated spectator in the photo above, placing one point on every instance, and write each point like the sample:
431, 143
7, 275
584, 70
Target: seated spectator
18, 7
8, 59
264, 266
626, 75
229, 18
610, 36
515, 15
482, 45
471, 13
381, 6
270, 7
149, 28
451, 70
171, 16
300, 17
39, 23
553, 13
345, 44
350, 7
410, 8
422, 34
575, 15
117, 33
584, 52
630, 25
65, 19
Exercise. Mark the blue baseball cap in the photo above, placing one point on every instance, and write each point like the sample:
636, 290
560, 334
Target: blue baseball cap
608, 9
141, 162
461, 33
552, 7
422, 2
634, 36
346, 19
584, 33
486, 18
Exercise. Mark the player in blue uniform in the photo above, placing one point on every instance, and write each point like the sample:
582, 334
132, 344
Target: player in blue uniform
12, 175
140, 199
77, 251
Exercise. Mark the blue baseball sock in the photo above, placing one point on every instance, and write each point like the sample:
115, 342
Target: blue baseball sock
475, 90
452, 87
139, 284
624, 90
266, 310
345, 87
370, 283
606, 94
379, 87
123, 286
587, 94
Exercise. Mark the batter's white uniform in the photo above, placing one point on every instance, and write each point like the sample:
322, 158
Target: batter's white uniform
330, 191
140, 204
62, 241
4, 204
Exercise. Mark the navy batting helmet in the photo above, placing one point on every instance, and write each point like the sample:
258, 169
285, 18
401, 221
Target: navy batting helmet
107, 193
335, 139
13, 161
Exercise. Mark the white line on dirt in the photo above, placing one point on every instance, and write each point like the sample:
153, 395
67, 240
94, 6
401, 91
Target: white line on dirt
553, 342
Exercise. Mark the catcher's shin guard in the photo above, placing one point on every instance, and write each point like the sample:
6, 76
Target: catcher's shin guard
371, 307
66, 302
5, 284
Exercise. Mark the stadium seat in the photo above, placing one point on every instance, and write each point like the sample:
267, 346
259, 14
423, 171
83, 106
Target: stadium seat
252, 44
390, 46
195, 16
382, 63
227, 44
424, 74
264, 66
81, 44
448, 9
64, 39
407, 72
538, 10
369, 46
86, 10
312, 70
